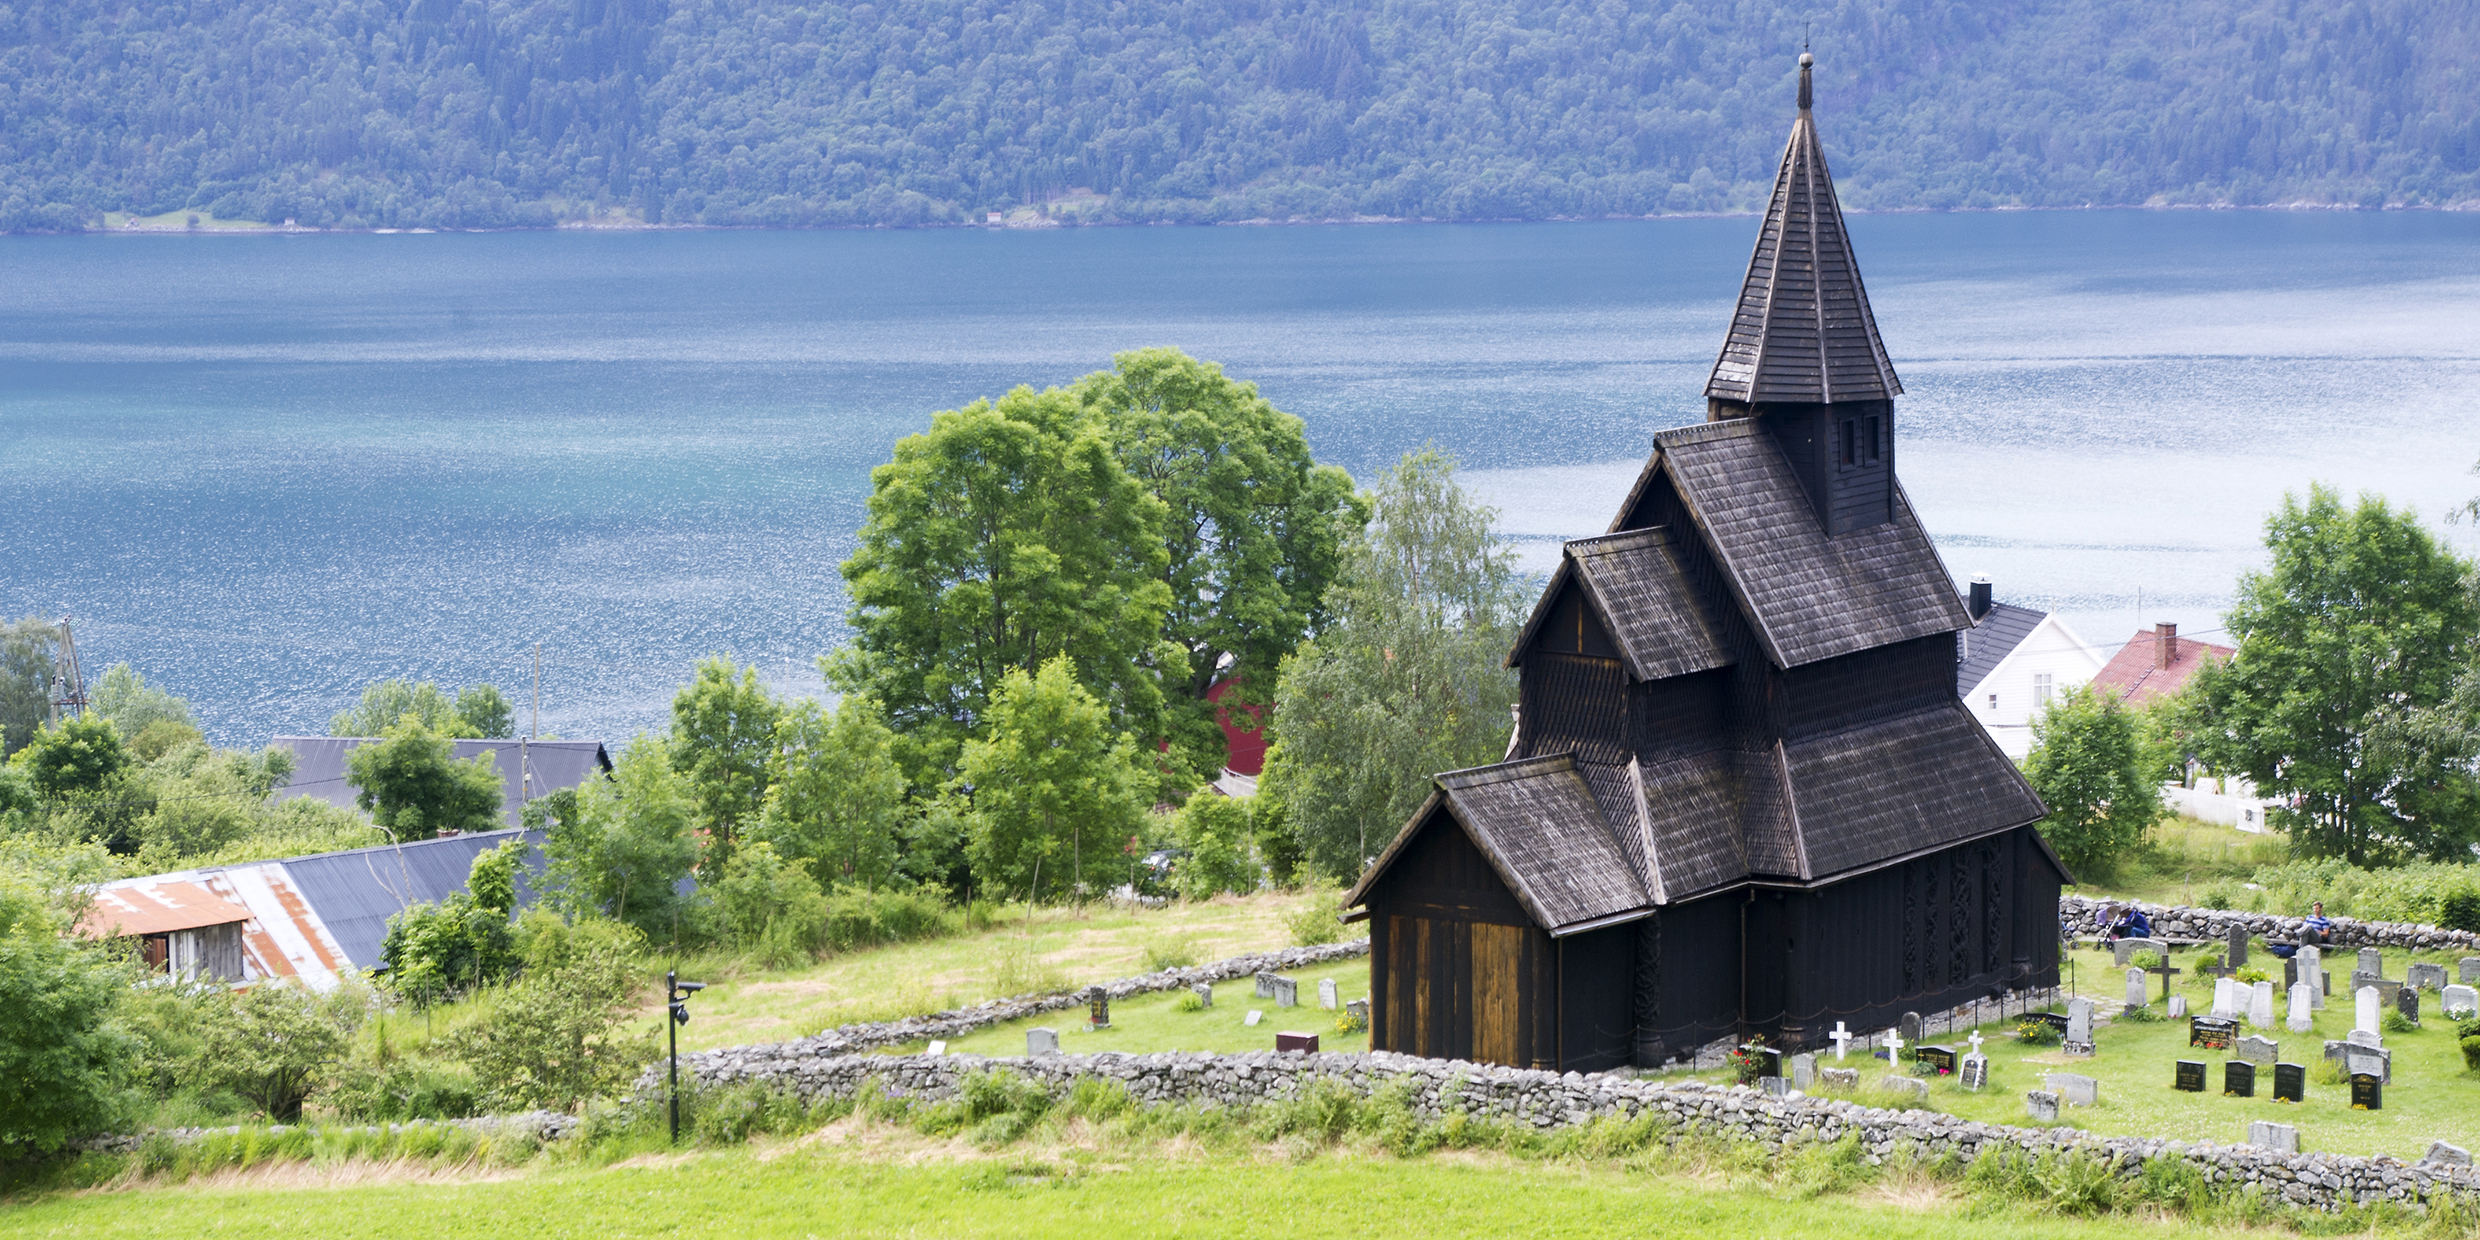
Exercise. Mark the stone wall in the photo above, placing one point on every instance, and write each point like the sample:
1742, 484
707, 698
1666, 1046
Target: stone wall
956, 1022
1548, 1100
2082, 915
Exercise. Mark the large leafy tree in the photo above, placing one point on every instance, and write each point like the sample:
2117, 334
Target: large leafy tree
723, 737
64, 1056
1409, 680
271, 1043
1055, 788
1253, 526
411, 783
27, 650
2092, 768
1007, 536
836, 803
627, 844
133, 706
2351, 639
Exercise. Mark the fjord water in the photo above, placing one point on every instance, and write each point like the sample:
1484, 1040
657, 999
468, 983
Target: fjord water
267, 470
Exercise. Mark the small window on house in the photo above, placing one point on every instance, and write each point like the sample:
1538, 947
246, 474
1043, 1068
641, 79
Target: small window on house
1993, 701
2042, 686
1851, 442
1870, 444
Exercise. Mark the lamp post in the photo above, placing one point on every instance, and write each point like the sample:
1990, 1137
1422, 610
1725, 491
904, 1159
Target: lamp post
676, 994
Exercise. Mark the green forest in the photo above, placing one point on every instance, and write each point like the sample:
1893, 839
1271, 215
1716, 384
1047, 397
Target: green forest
529, 113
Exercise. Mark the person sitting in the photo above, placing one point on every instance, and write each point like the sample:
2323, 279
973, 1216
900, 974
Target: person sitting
2130, 923
2318, 929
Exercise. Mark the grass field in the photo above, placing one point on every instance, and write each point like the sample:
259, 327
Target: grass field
856, 1178
1050, 949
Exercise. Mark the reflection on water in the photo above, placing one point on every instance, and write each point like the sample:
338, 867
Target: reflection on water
266, 470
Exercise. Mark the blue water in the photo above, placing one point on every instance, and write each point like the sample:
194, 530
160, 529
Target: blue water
267, 470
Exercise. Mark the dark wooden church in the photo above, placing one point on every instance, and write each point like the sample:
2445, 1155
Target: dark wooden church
1742, 798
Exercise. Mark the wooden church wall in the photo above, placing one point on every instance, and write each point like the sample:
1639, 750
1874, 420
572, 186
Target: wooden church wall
1458, 971
1597, 1010
1687, 976
1882, 680
1573, 702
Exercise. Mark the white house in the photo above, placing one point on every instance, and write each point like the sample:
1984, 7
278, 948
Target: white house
2012, 661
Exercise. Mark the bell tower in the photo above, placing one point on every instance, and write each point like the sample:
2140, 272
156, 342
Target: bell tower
1803, 352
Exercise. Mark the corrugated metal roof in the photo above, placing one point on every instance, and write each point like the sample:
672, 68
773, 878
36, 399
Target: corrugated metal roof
149, 907
323, 917
528, 769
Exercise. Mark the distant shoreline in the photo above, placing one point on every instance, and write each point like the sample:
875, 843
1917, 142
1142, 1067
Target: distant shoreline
157, 226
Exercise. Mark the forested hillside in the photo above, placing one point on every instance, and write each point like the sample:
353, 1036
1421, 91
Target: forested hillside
478, 113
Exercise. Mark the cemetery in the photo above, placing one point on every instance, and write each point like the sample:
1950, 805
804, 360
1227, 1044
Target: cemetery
1162, 1021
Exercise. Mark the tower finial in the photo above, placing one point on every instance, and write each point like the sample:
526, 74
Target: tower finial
1805, 95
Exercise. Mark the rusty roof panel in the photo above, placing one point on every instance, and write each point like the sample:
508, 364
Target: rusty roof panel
149, 907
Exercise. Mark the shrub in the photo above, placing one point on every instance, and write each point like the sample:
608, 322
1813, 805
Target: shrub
858, 918
2252, 975
272, 1043
2036, 1032
2142, 1014
2396, 1022
2471, 1051
771, 907
1169, 952
1349, 1021
1189, 1001
555, 1038
1314, 921
1216, 831
2152, 960
63, 1056
2460, 911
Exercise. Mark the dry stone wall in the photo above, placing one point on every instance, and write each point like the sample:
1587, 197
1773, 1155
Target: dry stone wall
2082, 915
1548, 1100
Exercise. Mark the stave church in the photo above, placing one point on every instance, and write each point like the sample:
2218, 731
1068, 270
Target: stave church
1742, 798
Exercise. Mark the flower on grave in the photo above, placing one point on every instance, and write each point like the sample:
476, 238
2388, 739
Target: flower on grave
1748, 1062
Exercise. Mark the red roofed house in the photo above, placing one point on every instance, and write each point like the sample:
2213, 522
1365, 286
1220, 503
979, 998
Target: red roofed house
2161, 662
2156, 663
1244, 747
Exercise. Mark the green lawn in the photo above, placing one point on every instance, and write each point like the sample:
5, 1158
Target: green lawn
1155, 1023
2433, 1097
922, 1188
1053, 948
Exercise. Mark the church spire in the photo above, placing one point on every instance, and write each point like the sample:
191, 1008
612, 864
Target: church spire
1803, 333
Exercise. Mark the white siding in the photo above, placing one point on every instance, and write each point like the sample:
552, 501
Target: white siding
2004, 700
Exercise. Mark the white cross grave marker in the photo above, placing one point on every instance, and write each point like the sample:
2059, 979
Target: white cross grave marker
1842, 1040
1975, 1040
1894, 1045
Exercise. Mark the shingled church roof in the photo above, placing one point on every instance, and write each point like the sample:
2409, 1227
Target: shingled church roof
1803, 332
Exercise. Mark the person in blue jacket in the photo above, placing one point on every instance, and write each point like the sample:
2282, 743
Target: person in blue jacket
2131, 923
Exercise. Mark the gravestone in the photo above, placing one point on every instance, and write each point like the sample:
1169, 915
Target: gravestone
1842, 1038
2365, 1037
2460, 1001
1265, 985
1916, 1090
1910, 1026
2311, 962
1295, 1041
2258, 1050
2264, 1134
2238, 1079
2367, 1092
937, 1048
2226, 1005
2376, 1063
2138, 987
1204, 992
2389, 991
1041, 1042
2178, 1006
2041, 1106
2079, 1039
1803, 1071
2260, 1005
1774, 1086
2372, 962
2364, 1016
1941, 1059
2407, 1002
2290, 974
1286, 992
2211, 1034
1097, 1009
2442, 1154
2190, 1077
1358, 1010
2303, 1008
1327, 998
2238, 939
1975, 1071
2076, 1088
2290, 1082
1839, 1078
2125, 950
2468, 969
1252, 1018
1769, 1060
2425, 977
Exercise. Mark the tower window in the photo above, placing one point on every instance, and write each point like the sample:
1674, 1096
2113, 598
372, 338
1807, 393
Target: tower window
1872, 440
1851, 442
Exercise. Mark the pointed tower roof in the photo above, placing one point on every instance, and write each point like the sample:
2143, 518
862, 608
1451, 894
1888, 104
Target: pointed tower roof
1803, 333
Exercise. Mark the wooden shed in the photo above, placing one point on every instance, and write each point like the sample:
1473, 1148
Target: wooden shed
1742, 798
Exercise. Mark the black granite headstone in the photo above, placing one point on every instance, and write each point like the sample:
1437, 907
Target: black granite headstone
2212, 1033
2191, 1076
2238, 1079
2407, 1002
1941, 1058
2367, 1092
2290, 975
2290, 1082
1769, 1060
1975, 1071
